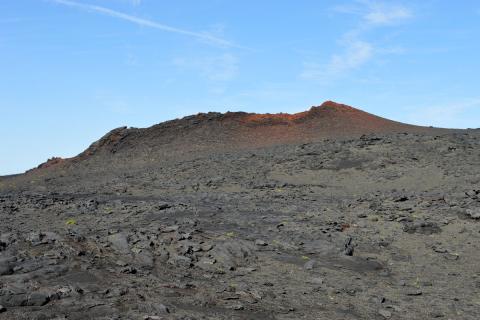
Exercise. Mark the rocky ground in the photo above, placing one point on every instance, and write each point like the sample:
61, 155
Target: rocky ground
385, 226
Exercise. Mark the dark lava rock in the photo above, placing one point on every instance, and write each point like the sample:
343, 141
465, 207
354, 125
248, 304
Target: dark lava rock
233, 253
385, 313
37, 238
180, 261
309, 265
422, 227
6, 240
119, 242
178, 228
38, 299
25, 300
349, 247
473, 213
6, 265
260, 243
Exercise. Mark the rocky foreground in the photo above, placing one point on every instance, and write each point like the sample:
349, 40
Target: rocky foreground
382, 226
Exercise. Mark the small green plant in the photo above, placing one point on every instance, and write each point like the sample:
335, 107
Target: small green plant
71, 222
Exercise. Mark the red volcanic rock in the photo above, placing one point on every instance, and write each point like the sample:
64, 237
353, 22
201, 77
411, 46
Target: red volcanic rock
51, 162
329, 120
107, 141
215, 131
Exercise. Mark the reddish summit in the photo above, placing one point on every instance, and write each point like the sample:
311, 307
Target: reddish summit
329, 120
325, 107
215, 131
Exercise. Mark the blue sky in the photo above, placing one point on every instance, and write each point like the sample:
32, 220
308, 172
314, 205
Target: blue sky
73, 70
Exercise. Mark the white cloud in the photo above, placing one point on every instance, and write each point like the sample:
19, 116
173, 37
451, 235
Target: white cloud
147, 23
219, 68
376, 12
454, 114
358, 52
132, 60
383, 14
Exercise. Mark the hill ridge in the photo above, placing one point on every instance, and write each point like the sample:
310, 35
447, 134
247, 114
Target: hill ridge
230, 130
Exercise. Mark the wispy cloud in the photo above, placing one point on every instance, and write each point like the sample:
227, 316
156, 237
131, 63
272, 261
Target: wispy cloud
386, 14
219, 68
376, 12
132, 60
459, 114
136, 2
357, 52
216, 71
203, 36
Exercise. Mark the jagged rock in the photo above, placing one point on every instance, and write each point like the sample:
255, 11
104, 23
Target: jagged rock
37, 299
7, 265
162, 254
38, 238
309, 265
76, 235
170, 229
119, 243
7, 239
161, 308
131, 251
145, 259
206, 247
88, 206
423, 227
25, 300
473, 213
232, 254
260, 243
349, 247
385, 313
180, 261
206, 263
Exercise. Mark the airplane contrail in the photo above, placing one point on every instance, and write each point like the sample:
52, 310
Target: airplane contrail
147, 23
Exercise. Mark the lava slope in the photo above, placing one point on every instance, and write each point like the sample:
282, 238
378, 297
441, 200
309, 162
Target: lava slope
332, 213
